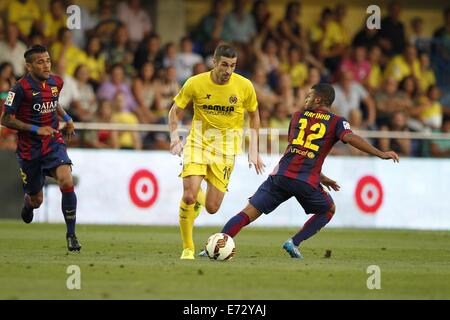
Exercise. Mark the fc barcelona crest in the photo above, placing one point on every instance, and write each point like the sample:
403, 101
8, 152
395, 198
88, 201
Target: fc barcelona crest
55, 91
233, 99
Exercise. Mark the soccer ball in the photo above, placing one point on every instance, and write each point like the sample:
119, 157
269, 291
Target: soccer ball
220, 246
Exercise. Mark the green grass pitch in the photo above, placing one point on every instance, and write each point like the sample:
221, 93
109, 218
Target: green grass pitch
142, 262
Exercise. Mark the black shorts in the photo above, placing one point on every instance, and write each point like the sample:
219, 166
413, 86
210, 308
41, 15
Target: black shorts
33, 172
277, 189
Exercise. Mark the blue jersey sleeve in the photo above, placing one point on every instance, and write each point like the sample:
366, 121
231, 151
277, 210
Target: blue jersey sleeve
342, 128
14, 99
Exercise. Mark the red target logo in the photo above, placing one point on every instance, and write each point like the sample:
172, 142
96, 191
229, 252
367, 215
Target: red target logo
369, 194
143, 188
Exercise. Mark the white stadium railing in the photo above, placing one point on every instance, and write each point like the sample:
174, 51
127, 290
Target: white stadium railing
164, 128
95, 126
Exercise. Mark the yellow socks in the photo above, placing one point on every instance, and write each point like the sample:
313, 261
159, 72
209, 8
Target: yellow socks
187, 217
188, 213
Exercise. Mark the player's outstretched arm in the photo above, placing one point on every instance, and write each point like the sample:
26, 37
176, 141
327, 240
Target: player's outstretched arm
253, 155
329, 183
361, 144
10, 121
176, 147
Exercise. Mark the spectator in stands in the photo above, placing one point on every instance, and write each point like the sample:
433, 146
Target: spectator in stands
54, 19
441, 147
432, 115
95, 60
103, 138
7, 80
120, 51
170, 55
392, 33
403, 65
290, 27
290, 32
280, 119
25, 14
70, 96
199, 68
366, 37
107, 22
136, 20
264, 93
295, 67
88, 23
427, 77
121, 114
209, 30
349, 95
441, 36
327, 44
375, 76
147, 91
185, 60
36, 38
261, 16
65, 49
267, 57
169, 89
115, 84
357, 64
417, 37
338, 24
389, 100
396, 123
87, 98
12, 50
410, 88
239, 25
149, 50
286, 93
313, 79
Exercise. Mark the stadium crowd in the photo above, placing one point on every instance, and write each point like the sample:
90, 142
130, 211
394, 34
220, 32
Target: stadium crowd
117, 70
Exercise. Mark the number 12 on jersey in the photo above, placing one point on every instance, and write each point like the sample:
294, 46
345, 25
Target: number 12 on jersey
318, 131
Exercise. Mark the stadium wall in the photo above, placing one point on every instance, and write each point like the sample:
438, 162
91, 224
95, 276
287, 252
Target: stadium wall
130, 187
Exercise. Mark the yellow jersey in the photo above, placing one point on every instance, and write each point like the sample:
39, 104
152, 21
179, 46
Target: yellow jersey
125, 137
398, 68
219, 111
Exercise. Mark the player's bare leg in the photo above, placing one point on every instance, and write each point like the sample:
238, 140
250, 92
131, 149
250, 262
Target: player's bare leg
31, 202
191, 187
63, 176
214, 198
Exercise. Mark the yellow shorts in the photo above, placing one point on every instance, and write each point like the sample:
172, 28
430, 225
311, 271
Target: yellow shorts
217, 173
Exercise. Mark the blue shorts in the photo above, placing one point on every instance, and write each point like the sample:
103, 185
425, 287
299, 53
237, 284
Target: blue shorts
33, 172
277, 189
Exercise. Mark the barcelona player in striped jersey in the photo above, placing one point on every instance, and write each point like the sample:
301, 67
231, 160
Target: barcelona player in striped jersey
312, 134
33, 110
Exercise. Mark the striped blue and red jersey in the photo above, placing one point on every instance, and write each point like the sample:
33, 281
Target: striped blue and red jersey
35, 103
312, 134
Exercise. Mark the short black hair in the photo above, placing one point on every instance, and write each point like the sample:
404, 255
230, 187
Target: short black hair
225, 50
34, 49
325, 92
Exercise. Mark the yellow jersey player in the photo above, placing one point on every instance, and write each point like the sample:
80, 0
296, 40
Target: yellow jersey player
220, 99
